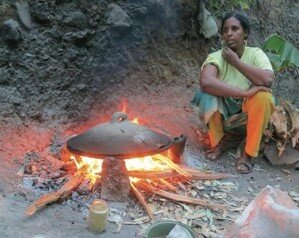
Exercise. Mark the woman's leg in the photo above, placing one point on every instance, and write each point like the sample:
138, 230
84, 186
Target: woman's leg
259, 109
215, 126
215, 135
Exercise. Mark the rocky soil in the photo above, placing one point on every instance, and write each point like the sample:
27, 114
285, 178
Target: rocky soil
71, 64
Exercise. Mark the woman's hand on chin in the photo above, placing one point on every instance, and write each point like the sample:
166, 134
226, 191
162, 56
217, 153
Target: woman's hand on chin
230, 56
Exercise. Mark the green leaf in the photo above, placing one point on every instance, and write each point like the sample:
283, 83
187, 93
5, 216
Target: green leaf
281, 53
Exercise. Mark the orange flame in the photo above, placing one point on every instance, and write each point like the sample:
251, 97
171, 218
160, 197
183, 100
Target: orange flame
147, 163
136, 120
124, 104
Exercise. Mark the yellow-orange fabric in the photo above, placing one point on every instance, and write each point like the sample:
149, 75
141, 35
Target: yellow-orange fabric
215, 128
253, 56
259, 109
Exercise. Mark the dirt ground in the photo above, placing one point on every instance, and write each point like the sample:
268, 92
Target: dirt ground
72, 71
156, 110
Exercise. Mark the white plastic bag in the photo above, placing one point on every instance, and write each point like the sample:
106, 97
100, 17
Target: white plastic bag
271, 214
208, 25
179, 232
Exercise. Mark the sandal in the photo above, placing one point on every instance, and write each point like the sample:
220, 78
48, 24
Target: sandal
214, 153
244, 164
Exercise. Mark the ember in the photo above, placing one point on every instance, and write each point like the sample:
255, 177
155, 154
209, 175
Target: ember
133, 157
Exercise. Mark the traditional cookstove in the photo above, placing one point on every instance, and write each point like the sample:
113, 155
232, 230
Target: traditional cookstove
117, 141
116, 146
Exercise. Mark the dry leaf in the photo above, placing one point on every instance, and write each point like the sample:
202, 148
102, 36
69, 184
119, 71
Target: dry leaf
197, 215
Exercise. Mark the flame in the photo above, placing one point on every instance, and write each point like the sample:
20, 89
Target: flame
95, 165
124, 104
136, 120
147, 163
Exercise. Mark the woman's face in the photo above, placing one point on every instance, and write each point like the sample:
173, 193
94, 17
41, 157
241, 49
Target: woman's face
233, 33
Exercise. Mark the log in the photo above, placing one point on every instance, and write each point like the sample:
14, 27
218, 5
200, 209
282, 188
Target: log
142, 201
60, 194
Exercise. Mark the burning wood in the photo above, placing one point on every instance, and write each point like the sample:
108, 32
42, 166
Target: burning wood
172, 165
168, 173
60, 194
142, 179
167, 184
119, 170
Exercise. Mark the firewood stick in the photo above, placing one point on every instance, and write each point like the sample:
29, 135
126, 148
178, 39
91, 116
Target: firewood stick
168, 185
158, 182
172, 165
180, 198
142, 201
153, 174
60, 194
196, 174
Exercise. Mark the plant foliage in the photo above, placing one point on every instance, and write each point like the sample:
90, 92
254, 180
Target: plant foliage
5, 11
233, 4
281, 53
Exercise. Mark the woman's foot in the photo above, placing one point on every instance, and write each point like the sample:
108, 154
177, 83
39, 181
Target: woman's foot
244, 164
214, 153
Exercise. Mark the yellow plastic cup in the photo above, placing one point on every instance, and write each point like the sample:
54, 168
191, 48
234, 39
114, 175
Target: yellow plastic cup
98, 216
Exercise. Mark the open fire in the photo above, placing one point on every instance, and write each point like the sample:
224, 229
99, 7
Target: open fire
147, 163
144, 161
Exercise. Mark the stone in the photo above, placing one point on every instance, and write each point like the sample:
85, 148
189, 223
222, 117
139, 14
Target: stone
289, 158
76, 19
23, 11
78, 38
115, 180
42, 18
12, 32
117, 18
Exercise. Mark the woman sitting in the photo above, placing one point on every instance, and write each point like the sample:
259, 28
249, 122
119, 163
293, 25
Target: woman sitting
234, 79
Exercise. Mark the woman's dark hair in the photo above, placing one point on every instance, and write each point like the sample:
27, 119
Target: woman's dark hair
242, 18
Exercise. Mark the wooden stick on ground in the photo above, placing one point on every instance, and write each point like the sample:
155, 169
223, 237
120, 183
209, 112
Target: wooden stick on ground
195, 174
142, 200
60, 194
180, 198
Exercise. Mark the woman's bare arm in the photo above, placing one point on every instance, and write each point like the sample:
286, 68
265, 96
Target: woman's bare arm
209, 83
259, 77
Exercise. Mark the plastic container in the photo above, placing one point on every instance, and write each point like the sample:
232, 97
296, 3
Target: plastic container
98, 216
163, 228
